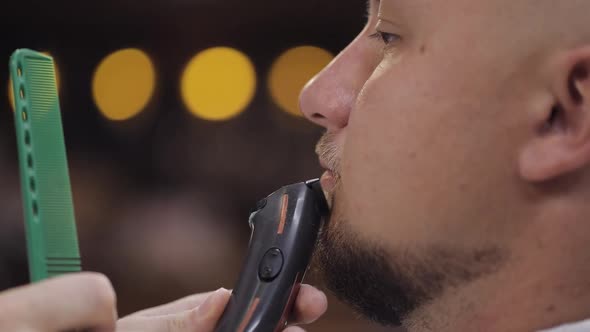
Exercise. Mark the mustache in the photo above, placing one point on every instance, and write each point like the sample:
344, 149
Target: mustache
329, 152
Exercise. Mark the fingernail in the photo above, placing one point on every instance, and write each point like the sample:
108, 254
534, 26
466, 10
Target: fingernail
321, 297
207, 307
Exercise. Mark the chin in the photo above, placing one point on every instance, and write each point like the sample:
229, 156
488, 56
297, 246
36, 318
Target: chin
387, 284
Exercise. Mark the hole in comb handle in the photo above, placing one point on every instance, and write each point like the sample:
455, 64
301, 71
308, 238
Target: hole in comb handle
22, 92
24, 114
35, 208
19, 69
28, 139
32, 184
30, 161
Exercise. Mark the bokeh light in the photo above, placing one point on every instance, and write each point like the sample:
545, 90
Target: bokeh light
123, 84
218, 83
291, 71
10, 88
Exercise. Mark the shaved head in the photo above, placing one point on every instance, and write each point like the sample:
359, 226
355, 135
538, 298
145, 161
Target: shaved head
458, 156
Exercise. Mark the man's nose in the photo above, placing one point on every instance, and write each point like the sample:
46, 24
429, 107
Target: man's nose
327, 99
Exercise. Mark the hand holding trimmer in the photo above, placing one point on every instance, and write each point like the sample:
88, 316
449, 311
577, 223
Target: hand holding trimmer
285, 227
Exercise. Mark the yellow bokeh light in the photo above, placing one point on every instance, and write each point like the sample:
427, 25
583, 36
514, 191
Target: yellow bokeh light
291, 71
123, 84
218, 83
10, 87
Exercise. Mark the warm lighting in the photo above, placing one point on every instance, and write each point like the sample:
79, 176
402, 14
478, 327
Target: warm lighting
291, 71
218, 83
123, 84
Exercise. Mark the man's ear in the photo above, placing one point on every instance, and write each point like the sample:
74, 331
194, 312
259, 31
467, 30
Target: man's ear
562, 142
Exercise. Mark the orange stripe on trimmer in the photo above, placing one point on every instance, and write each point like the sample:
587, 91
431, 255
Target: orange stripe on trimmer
284, 205
290, 302
249, 314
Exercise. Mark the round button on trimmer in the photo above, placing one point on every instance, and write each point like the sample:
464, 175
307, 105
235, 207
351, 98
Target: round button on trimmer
270, 265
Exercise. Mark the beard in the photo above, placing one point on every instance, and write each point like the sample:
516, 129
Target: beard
387, 286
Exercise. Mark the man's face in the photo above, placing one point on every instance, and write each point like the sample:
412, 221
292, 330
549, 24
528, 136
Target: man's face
424, 125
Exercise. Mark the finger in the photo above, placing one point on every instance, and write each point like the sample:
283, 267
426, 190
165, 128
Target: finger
311, 304
187, 303
202, 319
84, 300
293, 329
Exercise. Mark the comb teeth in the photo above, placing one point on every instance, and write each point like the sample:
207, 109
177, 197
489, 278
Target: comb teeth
51, 229
57, 266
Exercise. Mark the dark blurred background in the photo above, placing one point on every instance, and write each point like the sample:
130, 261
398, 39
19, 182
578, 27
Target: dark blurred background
162, 193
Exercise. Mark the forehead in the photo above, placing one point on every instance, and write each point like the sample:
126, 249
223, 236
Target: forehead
457, 9
496, 19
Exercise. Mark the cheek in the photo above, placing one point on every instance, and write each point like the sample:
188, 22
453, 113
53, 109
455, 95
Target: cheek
411, 169
387, 158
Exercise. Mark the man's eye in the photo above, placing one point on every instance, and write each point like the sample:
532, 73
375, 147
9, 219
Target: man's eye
388, 39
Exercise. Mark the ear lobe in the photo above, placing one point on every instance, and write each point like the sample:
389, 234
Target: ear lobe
561, 144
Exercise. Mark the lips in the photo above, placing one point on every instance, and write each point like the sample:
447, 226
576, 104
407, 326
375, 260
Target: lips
328, 181
328, 155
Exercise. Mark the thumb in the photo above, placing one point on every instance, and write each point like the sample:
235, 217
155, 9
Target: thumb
201, 319
204, 318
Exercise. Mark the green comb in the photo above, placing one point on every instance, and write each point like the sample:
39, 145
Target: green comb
52, 243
